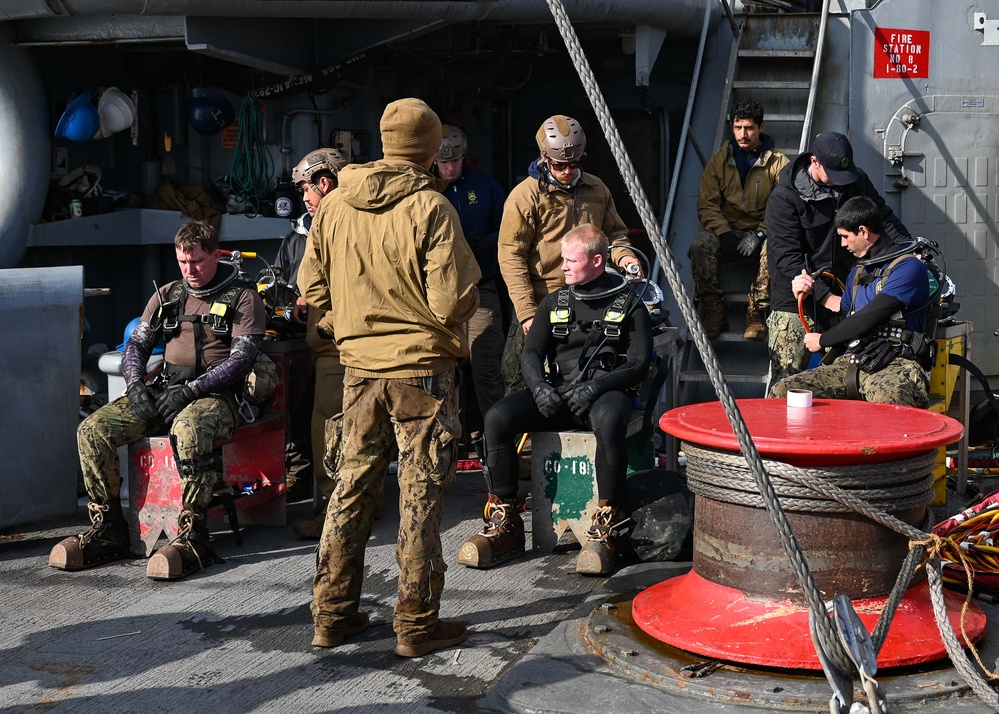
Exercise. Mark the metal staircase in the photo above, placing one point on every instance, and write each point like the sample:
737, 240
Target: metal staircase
775, 59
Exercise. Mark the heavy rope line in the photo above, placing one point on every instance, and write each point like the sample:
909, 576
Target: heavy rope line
826, 633
726, 478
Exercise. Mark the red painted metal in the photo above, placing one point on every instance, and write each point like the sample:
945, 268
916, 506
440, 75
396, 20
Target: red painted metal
253, 463
697, 615
832, 431
768, 628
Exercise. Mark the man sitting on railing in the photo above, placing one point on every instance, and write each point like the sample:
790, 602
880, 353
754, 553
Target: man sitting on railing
595, 336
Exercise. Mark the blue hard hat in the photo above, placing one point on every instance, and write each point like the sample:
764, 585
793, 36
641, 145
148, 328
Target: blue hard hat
129, 328
208, 110
80, 121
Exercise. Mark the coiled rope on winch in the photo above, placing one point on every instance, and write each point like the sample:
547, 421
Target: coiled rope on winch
726, 477
252, 166
826, 635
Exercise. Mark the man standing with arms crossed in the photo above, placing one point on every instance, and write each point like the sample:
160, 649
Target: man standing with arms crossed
402, 285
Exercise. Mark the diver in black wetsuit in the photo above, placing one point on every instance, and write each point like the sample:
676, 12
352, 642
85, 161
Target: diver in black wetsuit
595, 338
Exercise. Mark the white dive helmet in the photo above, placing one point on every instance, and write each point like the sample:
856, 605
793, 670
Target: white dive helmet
561, 138
319, 160
454, 143
116, 111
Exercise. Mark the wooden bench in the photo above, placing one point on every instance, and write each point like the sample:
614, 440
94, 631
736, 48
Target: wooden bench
253, 483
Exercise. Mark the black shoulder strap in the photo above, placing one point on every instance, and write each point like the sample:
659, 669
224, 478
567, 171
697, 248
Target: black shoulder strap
561, 317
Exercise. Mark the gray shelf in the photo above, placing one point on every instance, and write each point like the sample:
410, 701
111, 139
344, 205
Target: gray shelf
146, 226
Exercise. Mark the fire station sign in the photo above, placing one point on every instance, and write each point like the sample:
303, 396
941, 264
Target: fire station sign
901, 54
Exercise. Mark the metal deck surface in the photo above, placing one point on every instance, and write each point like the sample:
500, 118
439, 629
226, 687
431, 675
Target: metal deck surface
235, 638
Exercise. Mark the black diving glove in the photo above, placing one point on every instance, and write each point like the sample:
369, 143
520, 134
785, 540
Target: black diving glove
582, 397
141, 402
172, 401
548, 400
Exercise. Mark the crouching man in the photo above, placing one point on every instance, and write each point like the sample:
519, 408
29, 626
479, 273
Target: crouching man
595, 338
884, 327
214, 326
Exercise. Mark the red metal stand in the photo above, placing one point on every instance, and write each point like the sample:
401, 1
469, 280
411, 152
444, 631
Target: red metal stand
253, 462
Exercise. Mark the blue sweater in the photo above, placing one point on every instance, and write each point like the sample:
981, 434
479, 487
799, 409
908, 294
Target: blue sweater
478, 198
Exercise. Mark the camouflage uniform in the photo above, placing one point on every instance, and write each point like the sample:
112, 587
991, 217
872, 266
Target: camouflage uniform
327, 403
786, 344
426, 428
903, 382
510, 364
193, 433
706, 254
759, 291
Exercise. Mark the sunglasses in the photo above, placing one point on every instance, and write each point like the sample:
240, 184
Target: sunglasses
302, 188
563, 166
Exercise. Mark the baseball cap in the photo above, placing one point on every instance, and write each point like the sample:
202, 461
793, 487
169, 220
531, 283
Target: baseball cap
834, 152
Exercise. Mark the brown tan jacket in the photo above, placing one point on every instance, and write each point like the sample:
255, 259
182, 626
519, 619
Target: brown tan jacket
530, 237
399, 276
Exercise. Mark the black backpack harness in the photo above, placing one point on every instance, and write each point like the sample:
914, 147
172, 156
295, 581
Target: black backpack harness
608, 350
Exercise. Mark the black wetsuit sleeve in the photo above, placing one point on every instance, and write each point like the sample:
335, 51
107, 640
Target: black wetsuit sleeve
137, 350
536, 346
232, 369
637, 357
862, 323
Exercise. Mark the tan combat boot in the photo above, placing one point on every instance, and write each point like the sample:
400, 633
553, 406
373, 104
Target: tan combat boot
106, 541
446, 634
715, 321
755, 325
500, 540
603, 542
357, 623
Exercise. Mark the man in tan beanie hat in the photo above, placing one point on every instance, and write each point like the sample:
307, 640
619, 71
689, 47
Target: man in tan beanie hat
401, 288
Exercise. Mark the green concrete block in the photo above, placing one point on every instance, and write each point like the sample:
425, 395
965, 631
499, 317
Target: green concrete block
563, 482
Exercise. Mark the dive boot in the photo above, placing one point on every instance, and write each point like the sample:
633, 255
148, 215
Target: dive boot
500, 540
356, 624
603, 543
106, 541
188, 552
715, 321
755, 326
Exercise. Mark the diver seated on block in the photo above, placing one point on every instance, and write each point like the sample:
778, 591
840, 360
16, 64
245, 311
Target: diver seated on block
889, 310
595, 337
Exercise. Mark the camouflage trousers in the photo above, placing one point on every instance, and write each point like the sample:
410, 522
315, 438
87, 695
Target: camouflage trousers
421, 416
707, 255
328, 403
786, 344
512, 376
902, 382
193, 434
